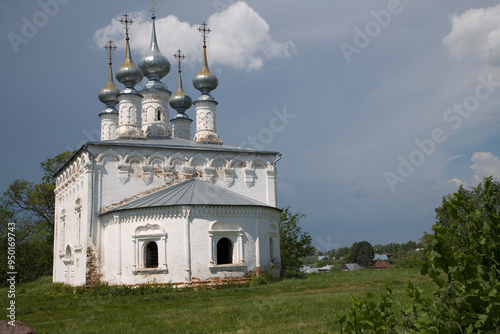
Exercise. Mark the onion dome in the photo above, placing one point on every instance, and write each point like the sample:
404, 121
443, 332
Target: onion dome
205, 81
180, 101
129, 74
154, 65
108, 95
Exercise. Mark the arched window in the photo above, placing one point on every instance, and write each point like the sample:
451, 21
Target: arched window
158, 115
67, 256
224, 251
152, 255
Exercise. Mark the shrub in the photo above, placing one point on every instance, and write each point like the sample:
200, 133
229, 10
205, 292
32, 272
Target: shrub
265, 277
463, 260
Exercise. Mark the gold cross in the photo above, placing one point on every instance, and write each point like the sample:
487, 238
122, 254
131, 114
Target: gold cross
127, 22
110, 47
204, 30
179, 56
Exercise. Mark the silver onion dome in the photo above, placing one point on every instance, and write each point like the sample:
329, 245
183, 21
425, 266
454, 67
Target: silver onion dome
205, 81
129, 74
180, 101
154, 65
109, 94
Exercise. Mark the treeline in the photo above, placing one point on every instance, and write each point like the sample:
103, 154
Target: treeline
27, 224
392, 248
405, 255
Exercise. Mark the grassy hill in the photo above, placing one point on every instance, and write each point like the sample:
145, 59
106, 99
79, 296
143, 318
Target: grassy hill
301, 305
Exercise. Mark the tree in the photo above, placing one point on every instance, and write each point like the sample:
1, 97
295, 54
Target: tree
409, 246
30, 208
463, 260
341, 252
294, 243
361, 253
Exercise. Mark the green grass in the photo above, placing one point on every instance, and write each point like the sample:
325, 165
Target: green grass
289, 306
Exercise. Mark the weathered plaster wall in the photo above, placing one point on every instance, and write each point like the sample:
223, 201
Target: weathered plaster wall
72, 215
189, 235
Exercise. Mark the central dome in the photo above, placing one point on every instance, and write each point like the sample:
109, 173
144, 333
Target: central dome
154, 64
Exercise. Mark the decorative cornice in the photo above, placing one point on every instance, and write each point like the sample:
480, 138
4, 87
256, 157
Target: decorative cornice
180, 162
196, 211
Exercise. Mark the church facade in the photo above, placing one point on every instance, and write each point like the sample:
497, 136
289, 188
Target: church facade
149, 204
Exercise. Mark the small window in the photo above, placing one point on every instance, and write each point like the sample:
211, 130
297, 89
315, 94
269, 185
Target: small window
158, 115
224, 251
68, 253
152, 255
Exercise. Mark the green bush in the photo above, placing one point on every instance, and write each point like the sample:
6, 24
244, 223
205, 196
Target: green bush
463, 261
267, 276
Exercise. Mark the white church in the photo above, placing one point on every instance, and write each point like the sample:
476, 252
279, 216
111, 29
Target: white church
149, 203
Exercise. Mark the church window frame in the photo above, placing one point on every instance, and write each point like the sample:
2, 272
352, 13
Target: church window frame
233, 233
62, 232
69, 261
78, 213
271, 248
144, 236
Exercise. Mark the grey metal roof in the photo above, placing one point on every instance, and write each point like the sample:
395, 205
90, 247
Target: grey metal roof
177, 143
191, 192
352, 266
382, 257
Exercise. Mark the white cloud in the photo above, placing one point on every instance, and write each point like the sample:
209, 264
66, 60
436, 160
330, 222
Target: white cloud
240, 38
485, 164
458, 182
475, 34
455, 157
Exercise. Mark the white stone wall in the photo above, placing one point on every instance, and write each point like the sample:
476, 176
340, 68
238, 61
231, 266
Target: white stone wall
122, 174
109, 123
186, 239
155, 101
181, 128
126, 174
72, 216
128, 116
206, 129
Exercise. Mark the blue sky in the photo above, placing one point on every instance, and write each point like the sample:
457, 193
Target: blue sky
379, 107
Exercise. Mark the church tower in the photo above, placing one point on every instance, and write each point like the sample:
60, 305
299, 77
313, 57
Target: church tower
180, 101
108, 96
130, 100
205, 82
155, 94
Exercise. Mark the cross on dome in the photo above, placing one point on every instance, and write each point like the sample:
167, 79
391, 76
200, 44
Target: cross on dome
204, 30
153, 8
127, 22
180, 57
110, 47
